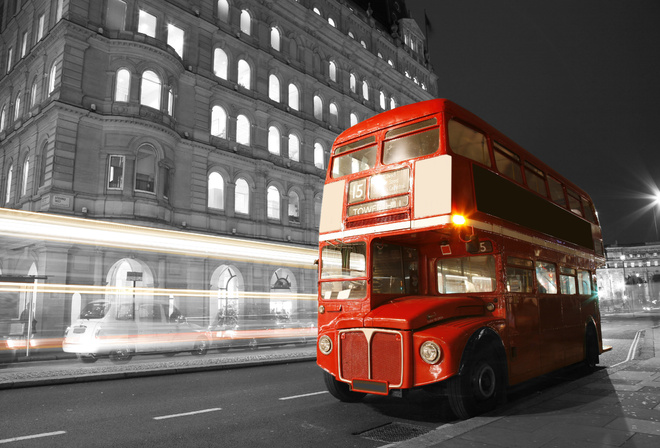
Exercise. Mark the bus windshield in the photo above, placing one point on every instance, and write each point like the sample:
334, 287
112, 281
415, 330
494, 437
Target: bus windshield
347, 263
466, 274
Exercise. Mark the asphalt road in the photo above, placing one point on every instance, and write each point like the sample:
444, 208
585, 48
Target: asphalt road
276, 406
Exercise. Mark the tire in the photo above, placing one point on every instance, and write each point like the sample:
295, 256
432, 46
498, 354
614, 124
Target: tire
480, 387
591, 352
200, 348
253, 344
87, 359
341, 391
121, 356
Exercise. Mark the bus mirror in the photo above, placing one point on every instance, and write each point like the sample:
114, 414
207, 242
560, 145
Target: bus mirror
472, 245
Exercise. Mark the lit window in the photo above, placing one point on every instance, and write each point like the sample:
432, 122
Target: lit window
332, 23
365, 90
24, 44
273, 203
318, 107
223, 10
392, 103
51, 79
354, 119
274, 88
382, 100
364, 44
24, 178
294, 207
244, 74
115, 18
145, 170
332, 71
220, 63
246, 22
150, 90
17, 107
33, 94
389, 61
116, 172
41, 23
353, 83
242, 197
275, 38
123, 86
334, 114
319, 156
274, 140
294, 147
216, 191
170, 101
218, 122
294, 99
10, 58
3, 118
10, 174
58, 10
147, 24
243, 130
317, 11
175, 38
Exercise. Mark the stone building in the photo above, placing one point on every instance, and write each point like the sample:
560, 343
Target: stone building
205, 116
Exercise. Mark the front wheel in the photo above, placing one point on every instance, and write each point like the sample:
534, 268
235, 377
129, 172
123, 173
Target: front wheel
479, 387
200, 348
592, 355
121, 356
341, 391
87, 359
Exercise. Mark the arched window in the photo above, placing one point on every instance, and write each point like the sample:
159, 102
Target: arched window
274, 140
218, 122
382, 100
365, 90
223, 10
123, 85
354, 119
294, 97
244, 73
10, 174
334, 114
319, 155
216, 191
353, 83
332, 71
220, 63
332, 23
274, 88
17, 106
392, 103
317, 11
3, 118
275, 38
242, 197
246, 22
294, 207
33, 94
294, 147
318, 107
51, 79
24, 176
43, 165
273, 203
170, 101
145, 169
243, 130
150, 90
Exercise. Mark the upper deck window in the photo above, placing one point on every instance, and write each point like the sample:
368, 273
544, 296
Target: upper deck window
402, 145
507, 162
356, 161
574, 202
535, 179
556, 191
588, 208
468, 142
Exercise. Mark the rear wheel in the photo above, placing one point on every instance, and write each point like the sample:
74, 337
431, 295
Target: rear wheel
341, 391
479, 387
200, 348
592, 355
121, 356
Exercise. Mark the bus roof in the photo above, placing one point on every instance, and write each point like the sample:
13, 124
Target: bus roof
403, 114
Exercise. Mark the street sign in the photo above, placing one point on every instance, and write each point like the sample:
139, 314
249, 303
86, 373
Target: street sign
134, 276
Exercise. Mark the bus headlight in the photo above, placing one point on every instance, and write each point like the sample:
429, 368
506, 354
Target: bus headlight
430, 352
325, 344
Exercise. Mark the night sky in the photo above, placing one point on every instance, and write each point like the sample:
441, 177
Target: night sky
575, 82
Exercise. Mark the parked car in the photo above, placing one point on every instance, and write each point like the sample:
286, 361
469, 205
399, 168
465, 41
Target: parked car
121, 331
256, 331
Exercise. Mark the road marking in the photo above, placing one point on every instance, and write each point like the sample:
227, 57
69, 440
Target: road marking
633, 348
185, 414
304, 395
35, 436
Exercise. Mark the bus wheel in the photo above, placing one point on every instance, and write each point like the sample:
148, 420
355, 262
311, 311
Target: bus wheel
87, 359
121, 356
592, 357
200, 348
479, 388
341, 391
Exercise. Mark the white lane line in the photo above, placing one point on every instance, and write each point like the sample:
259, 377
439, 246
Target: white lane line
185, 414
304, 395
34, 436
633, 348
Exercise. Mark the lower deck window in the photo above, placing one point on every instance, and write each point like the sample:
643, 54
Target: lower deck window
466, 274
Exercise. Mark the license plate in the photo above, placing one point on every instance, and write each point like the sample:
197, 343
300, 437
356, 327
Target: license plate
370, 386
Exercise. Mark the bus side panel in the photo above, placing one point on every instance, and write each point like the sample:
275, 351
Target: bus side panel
332, 207
432, 188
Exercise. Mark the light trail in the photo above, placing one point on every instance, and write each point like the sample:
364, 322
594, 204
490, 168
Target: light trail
304, 395
34, 436
186, 414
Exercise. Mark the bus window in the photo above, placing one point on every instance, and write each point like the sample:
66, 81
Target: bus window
535, 179
468, 142
519, 275
546, 277
507, 163
412, 145
588, 208
567, 280
574, 202
584, 282
394, 269
556, 191
355, 162
467, 274
346, 264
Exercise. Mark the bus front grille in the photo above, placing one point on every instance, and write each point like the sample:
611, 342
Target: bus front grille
371, 354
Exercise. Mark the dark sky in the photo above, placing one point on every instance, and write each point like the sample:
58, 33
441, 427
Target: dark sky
575, 82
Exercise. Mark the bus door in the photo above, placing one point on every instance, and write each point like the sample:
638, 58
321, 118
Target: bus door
522, 320
551, 322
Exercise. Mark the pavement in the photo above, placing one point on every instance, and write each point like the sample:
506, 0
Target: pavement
614, 406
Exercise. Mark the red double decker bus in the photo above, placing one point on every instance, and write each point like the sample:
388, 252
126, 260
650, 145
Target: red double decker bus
451, 259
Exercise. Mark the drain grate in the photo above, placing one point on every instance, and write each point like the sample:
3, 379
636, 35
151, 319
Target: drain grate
393, 432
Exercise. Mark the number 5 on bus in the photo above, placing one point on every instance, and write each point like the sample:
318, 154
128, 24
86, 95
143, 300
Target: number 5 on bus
451, 259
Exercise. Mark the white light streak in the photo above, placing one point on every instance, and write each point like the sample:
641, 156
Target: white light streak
34, 436
186, 414
304, 395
